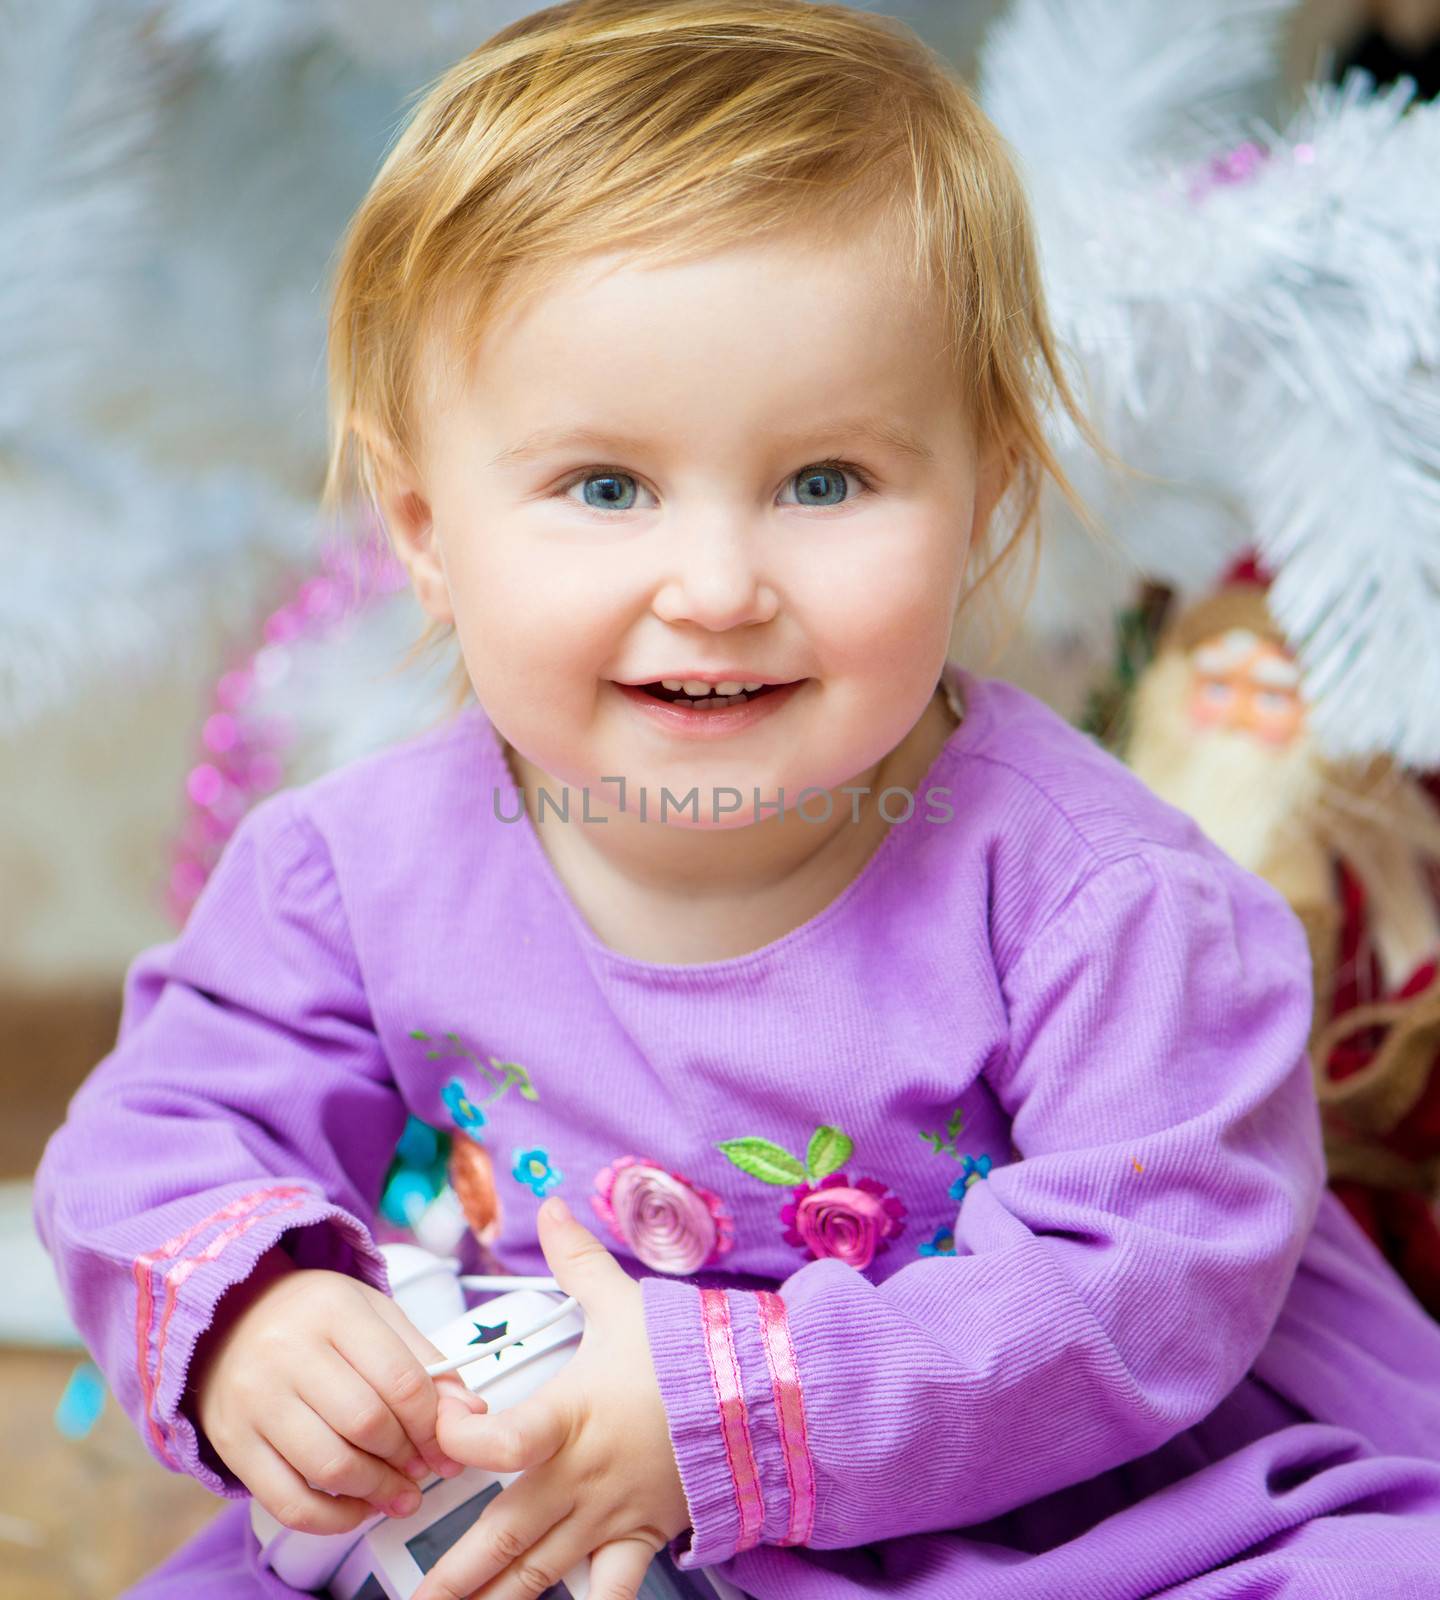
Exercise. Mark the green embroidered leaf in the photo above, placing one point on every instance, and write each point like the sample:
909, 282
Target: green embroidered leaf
434, 1055
935, 1141
829, 1151
956, 1122
419, 1033
763, 1160
513, 1072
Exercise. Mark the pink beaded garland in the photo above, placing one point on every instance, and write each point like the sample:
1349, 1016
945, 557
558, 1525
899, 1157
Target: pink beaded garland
204, 785
220, 733
242, 754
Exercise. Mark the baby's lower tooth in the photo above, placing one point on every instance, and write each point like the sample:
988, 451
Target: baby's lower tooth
711, 701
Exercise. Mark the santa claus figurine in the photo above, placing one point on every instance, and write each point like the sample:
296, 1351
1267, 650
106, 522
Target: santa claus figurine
1218, 726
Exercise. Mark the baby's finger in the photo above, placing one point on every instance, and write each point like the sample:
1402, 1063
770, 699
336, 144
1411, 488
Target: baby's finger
326, 1461
425, 1352
521, 1436
617, 1570
289, 1499
378, 1353
449, 1383
509, 1539
331, 1387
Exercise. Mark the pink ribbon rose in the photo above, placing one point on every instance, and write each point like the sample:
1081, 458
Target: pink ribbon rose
842, 1221
664, 1220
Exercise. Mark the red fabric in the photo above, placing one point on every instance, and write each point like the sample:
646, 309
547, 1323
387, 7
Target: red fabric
1402, 1223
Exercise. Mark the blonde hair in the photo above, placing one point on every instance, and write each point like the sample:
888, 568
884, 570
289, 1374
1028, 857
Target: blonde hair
574, 129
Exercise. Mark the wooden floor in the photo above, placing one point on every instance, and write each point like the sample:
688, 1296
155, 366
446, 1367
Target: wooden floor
78, 1520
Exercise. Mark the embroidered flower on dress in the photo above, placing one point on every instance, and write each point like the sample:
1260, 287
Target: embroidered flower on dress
472, 1177
828, 1216
942, 1244
533, 1169
842, 1221
971, 1171
468, 1117
663, 1219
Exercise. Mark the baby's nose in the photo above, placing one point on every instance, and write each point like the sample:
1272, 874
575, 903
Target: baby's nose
714, 581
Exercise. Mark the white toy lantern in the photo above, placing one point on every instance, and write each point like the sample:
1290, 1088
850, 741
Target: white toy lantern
384, 1558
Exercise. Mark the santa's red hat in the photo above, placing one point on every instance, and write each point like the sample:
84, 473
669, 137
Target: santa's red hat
1245, 570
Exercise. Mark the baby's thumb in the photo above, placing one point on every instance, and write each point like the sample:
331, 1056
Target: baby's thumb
455, 1400
583, 1267
520, 1436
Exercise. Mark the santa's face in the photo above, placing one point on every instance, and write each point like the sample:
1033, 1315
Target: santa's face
1220, 731
1248, 684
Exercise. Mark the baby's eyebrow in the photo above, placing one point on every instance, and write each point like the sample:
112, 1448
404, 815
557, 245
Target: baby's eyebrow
884, 432
879, 431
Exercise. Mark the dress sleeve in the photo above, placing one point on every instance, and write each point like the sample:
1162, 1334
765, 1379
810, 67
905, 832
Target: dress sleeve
247, 1104
1110, 1285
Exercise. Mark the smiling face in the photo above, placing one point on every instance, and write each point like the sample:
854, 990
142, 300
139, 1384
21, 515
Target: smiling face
749, 468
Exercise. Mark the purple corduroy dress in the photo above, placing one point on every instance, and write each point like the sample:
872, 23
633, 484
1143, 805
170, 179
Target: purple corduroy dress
981, 1218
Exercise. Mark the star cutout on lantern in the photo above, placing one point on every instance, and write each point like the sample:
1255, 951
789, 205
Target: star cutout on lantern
484, 1335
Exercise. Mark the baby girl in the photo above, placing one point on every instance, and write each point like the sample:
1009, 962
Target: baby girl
917, 1107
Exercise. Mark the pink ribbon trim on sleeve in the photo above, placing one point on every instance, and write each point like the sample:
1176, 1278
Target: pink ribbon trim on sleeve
789, 1415
734, 1423
243, 1206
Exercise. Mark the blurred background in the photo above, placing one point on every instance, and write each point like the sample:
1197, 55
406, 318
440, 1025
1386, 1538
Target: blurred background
180, 633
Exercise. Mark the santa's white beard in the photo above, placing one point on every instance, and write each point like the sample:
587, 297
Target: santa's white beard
1250, 797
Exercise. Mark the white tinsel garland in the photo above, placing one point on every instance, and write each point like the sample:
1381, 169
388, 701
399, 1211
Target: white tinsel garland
78, 115
123, 556
1265, 343
418, 33
1104, 85
162, 331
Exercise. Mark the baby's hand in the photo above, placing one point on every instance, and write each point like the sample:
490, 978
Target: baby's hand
318, 1382
600, 1477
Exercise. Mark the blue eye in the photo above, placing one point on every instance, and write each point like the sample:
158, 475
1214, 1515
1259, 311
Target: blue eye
814, 480
823, 477
610, 493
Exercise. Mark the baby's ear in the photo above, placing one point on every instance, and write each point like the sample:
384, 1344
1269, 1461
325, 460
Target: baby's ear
400, 496
994, 470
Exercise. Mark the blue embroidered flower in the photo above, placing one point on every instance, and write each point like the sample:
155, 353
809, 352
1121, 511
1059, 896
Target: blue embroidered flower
943, 1244
469, 1118
971, 1170
533, 1169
